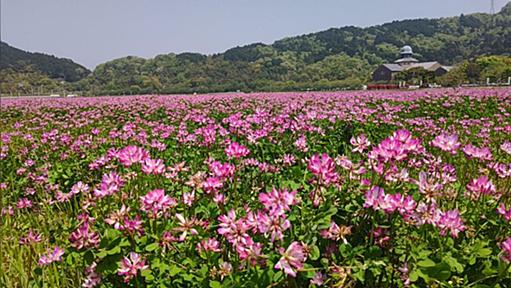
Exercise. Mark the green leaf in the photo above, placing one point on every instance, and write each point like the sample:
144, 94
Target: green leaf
174, 270
426, 263
454, 264
215, 284
151, 247
315, 253
441, 271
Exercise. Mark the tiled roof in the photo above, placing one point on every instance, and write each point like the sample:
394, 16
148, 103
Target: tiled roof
431, 66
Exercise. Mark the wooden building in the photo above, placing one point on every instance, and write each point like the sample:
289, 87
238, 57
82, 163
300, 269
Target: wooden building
387, 72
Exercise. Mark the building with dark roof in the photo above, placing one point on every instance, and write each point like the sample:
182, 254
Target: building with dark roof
387, 72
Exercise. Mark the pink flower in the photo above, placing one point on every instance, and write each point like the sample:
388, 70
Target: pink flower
277, 202
336, 233
478, 153
506, 250
130, 155
292, 259
381, 237
324, 168
450, 221
396, 148
150, 166
504, 212
272, 224
185, 227
212, 184
80, 187
156, 202
210, 244
235, 150
318, 279
92, 278
84, 237
374, 197
481, 185
130, 266
301, 143
220, 170
447, 143
235, 231
506, 147
360, 143
429, 186
24, 203
31, 237
52, 256
116, 218
133, 226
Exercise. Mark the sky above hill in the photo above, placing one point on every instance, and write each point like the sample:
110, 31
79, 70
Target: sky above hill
94, 31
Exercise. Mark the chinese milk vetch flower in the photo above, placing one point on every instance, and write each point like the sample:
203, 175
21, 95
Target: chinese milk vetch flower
429, 186
292, 259
359, 143
131, 265
79, 187
504, 212
208, 245
336, 232
235, 231
150, 166
274, 225
235, 150
318, 279
373, 197
212, 184
278, 201
156, 202
84, 237
396, 148
483, 153
446, 142
450, 221
222, 170
185, 227
130, 155
481, 186
133, 226
506, 147
92, 278
116, 218
506, 249
32, 237
323, 167
51, 256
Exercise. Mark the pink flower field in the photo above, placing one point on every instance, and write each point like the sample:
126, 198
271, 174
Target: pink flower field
341, 189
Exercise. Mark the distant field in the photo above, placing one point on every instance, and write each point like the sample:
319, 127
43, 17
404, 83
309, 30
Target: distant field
340, 189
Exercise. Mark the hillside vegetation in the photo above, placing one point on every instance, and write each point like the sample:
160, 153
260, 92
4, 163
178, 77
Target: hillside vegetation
332, 59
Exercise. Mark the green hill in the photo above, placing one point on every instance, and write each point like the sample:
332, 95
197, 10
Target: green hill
17, 60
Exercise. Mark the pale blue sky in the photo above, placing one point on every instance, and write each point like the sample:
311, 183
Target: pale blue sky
93, 31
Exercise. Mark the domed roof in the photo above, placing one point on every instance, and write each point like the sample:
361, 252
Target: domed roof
406, 50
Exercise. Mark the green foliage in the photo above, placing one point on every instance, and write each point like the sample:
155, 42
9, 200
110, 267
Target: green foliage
496, 68
53, 67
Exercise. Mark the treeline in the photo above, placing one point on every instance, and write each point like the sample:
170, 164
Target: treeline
338, 58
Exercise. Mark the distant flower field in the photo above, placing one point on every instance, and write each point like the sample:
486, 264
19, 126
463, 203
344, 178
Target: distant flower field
351, 189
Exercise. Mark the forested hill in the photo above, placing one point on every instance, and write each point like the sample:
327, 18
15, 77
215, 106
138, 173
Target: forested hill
19, 61
331, 59
338, 57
